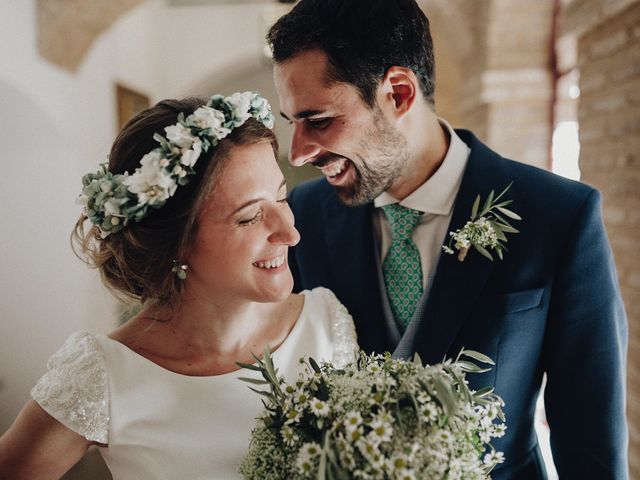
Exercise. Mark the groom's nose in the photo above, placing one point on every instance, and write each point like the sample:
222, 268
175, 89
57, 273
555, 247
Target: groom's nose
303, 148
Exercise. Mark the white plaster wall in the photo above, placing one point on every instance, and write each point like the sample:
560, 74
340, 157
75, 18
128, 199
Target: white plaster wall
45, 290
54, 127
205, 42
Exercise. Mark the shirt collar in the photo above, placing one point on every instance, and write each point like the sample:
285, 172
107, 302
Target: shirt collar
437, 195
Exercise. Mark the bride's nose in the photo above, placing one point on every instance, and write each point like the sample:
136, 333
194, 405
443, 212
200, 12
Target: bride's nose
283, 231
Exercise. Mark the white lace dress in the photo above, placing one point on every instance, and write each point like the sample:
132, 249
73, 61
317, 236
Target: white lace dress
158, 424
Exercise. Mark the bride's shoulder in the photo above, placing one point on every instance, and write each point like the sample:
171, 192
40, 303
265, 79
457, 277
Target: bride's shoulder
321, 294
77, 346
321, 298
341, 324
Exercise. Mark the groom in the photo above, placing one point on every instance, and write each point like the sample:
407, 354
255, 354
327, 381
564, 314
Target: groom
356, 80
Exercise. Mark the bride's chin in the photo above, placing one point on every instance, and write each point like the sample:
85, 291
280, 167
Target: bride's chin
279, 292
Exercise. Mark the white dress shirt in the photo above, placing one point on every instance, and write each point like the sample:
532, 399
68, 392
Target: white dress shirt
435, 198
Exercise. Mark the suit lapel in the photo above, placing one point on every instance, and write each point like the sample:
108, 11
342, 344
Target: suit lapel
352, 257
457, 285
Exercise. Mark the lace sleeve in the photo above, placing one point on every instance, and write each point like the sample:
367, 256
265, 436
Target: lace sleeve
345, 343
75, 389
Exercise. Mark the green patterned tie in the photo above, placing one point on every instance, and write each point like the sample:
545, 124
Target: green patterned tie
401, 267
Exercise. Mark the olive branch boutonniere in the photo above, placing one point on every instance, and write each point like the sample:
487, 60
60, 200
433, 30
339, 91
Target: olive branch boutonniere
487, 228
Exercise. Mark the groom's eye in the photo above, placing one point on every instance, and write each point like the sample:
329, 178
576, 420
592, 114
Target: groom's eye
318, 123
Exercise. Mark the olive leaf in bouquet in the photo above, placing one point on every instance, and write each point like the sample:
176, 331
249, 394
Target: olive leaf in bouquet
376, 418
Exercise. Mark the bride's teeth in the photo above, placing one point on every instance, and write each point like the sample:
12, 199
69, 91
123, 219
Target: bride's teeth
273, 263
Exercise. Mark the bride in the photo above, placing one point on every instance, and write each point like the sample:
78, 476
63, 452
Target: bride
190, 218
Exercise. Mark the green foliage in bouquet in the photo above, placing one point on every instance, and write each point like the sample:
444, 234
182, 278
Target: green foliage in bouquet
377, 418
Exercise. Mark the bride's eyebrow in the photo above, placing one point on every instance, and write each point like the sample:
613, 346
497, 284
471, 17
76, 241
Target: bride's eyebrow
256, 200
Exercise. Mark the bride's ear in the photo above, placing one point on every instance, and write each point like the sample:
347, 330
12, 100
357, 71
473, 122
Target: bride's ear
397, 92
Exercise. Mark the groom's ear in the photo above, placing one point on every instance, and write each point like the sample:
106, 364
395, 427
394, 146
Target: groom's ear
398, 91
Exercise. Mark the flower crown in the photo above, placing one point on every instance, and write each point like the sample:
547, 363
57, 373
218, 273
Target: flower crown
112, 201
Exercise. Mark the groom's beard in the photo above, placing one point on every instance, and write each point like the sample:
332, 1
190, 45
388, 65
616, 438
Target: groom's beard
385, 155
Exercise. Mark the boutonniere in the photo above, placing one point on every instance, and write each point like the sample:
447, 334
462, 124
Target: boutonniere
487, 228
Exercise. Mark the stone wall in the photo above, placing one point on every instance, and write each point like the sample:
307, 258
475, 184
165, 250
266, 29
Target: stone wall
608, 41
508, 97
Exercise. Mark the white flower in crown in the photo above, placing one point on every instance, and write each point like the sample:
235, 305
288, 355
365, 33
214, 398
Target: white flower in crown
149, 182
241, 103
106, 186
112, 208
207, 117
262, 110
157, 190
153, 159
190, 157
180, 136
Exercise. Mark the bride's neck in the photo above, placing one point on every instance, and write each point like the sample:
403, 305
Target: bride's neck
204, 337
222, 327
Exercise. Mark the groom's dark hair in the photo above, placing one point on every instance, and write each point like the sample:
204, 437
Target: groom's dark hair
362, 40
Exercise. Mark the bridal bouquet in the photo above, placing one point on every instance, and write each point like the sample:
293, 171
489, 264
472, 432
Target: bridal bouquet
377, 418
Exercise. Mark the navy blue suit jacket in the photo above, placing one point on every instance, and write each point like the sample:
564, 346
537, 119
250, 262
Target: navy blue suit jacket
552, 305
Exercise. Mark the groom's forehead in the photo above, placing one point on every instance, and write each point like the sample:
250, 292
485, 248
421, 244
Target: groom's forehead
304, 92
308, 69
